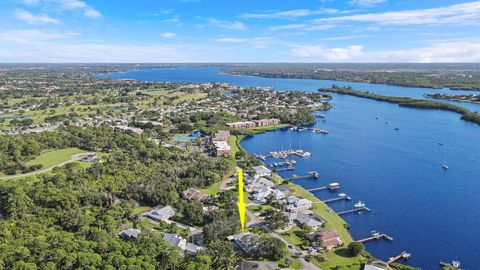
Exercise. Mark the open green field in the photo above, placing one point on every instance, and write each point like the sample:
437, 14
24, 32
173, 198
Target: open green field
258, 130
53, 158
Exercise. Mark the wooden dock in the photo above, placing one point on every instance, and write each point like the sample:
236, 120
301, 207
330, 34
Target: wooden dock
282, 163
359, 209
317, 189
289, 168
376, 236
404, 255
347, 198
312, 174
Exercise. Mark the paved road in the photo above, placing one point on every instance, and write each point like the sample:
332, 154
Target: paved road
73, 158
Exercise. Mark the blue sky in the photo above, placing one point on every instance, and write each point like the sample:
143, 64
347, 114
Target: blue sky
239, 31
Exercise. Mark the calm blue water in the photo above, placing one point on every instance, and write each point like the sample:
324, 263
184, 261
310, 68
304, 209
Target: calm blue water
432, 213
210, 74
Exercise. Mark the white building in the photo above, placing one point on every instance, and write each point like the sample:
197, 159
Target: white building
261, 171
295, 204
175, 240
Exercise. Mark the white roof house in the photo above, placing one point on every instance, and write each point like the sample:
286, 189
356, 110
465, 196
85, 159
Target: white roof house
262, 193
258, 183
175, 240
161, 214
295, 204
261, 171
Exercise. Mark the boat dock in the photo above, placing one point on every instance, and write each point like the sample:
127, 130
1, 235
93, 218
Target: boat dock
331, 186
282, 163
312, 174
289, 168
358, 209
284, 154
347, 198
376, 236
404, 255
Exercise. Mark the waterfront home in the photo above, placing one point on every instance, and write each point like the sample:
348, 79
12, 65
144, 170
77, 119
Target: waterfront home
222, 149
306, 218
261, 171
257, 183
376, 265
160, 214
243, 124
327, 239
194, 194
295, 204
129, 234
267, 122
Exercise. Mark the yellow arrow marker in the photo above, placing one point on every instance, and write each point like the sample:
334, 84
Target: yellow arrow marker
241, 201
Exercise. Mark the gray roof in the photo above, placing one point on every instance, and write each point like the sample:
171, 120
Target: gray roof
161, 214
173, 239
130, 233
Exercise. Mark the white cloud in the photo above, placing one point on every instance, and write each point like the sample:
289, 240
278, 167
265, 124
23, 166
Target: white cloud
301, 26
319, 52
235, 25
465, 13
231, 40
33, 19
289, 14
168, 34
40, 46
366, 3
86, 9
434, 53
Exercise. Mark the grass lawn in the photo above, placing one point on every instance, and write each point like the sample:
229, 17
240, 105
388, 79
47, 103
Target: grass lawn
259, 208
292, 238
140, 210
53, 158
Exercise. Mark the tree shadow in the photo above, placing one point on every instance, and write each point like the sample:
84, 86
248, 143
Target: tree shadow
343, 252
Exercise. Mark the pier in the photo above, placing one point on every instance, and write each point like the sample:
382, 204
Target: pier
359, 209
289, 168
282, 163
340, 198
312, 174
404, 255
376, 236
331, 186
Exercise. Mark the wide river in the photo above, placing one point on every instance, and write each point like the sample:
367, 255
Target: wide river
431, 212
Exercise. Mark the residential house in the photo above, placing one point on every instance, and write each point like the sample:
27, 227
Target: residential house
174, 240
327, 239
129, 234
257, 183
261, 195
295, 204
307, 218
194, 194
245, 241
160, 214
261, 171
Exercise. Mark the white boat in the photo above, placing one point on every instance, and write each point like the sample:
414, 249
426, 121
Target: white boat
342, 195
305, 154
359, 204
456, 264
444, 166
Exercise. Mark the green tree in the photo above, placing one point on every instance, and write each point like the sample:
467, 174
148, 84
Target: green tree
355, 248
